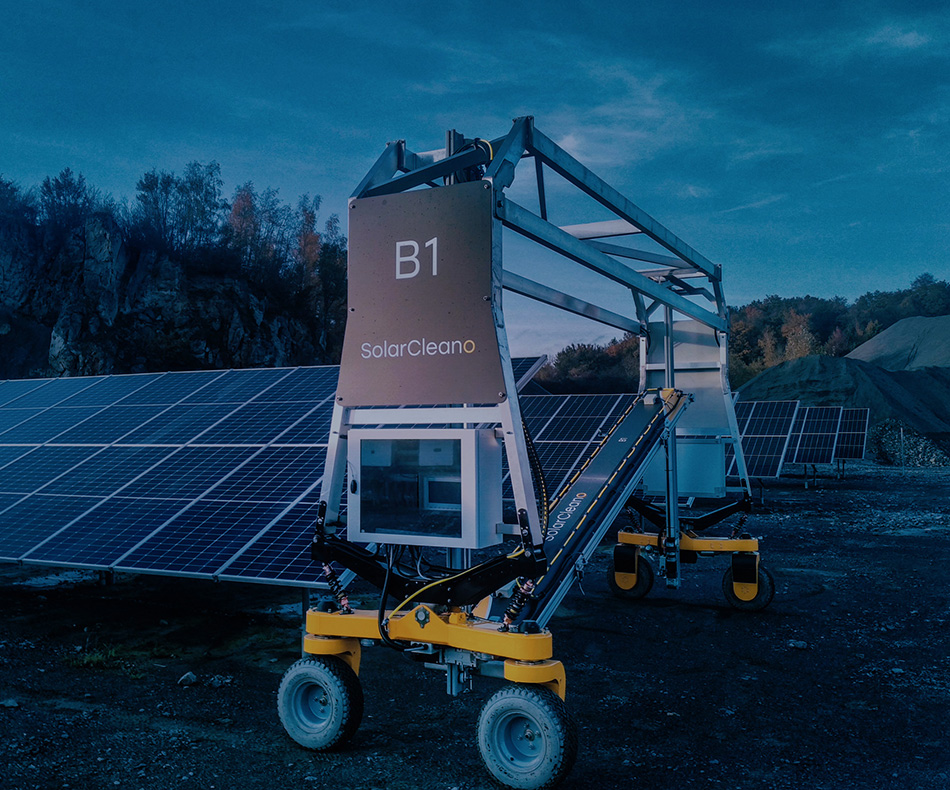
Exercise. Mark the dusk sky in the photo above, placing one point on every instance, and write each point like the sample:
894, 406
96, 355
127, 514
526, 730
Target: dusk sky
804, 146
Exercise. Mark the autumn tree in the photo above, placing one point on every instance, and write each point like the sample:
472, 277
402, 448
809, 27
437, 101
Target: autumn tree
799, 341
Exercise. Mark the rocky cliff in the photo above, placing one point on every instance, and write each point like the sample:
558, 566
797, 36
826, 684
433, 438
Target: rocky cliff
89, 303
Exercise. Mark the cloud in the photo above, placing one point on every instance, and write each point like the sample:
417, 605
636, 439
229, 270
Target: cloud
887, 38
766, 201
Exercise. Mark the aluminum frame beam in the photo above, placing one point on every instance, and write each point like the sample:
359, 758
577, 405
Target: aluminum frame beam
533, 227
542, 293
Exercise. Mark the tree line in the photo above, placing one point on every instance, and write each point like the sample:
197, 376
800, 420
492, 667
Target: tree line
763, 333
253, 235
256, 236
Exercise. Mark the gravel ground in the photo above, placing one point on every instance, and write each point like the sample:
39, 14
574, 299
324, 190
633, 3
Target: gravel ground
843, 682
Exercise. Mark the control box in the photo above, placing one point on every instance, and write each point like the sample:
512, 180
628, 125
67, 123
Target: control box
424, 486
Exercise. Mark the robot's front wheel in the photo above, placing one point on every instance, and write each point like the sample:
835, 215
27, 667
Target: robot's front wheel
526, 737
320, 702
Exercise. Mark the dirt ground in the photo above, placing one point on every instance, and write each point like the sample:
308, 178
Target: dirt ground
843, 682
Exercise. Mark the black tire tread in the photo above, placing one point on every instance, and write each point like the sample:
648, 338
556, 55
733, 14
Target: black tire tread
562, 723
762, 598
643, 586
347, 682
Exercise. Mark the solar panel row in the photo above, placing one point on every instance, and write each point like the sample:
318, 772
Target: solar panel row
778, 432
203, 473
160, 473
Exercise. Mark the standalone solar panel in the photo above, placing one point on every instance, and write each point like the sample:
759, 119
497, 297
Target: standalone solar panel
852, 434
764, 428
776, 432
766, 436
815, 434
210, 474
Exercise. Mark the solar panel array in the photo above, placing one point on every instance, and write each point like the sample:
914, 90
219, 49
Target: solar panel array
777, 432
216, 474
210, 474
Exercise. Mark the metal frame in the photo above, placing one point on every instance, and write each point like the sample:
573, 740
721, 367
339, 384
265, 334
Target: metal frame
680, 282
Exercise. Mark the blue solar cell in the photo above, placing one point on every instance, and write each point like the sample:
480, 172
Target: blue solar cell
558, 459
304, 384
763, 454
47, 425
852, 434
100, 537
5, 501
34, 470
189, 472
171, 388
109, 425
179, 424
111, 390
10, 418
35, 518
536, 409
256, 423
239, 386
282, 552
273, 475
8, 454
201, 539
765, 436
743, 412
107, 471
771, 418
312, 429
11, 390
571, 429
55, 392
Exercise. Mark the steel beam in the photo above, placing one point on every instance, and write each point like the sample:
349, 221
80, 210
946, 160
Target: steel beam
542, 293
423, 175
566, 165
386, 166
601, 230
533, 227
501, 171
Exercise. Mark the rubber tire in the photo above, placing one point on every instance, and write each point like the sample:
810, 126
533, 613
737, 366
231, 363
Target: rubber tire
320, 702
645, 577
514, 758
763, 597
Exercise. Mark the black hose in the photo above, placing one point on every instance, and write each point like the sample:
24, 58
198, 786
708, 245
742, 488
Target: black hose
537, 474
381, 612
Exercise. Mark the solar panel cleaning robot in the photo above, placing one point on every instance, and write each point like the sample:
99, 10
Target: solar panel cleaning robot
474, 509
